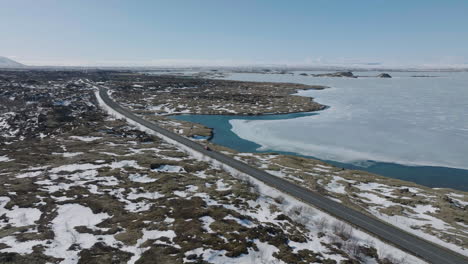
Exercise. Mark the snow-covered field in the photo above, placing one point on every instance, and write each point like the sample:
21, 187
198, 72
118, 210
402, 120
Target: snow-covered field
98, 197
434, 214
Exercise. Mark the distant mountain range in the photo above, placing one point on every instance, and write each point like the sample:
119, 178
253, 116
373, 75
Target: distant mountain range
7, 63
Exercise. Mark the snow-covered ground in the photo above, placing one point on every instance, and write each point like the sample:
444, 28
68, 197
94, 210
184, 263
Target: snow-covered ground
4, 158
434, 214
85, 139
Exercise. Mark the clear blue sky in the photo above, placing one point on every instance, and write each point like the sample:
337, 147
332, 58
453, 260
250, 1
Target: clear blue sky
234, 32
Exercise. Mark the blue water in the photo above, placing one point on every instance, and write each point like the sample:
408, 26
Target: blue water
431, 176
222, 129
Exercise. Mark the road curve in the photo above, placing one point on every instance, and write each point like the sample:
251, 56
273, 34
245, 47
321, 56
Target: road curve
403, 240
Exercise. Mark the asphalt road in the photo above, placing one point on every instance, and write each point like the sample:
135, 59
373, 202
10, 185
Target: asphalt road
403, 240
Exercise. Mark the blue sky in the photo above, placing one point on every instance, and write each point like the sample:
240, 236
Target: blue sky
221, 32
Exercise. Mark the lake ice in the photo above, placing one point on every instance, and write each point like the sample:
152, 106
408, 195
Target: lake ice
405, 120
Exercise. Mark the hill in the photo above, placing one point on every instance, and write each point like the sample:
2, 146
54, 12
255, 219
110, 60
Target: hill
8, 63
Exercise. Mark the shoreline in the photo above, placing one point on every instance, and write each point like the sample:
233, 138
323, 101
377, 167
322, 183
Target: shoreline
325, 107
373, 168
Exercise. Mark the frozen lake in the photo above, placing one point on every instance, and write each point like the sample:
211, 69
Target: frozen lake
412, 128
405, 120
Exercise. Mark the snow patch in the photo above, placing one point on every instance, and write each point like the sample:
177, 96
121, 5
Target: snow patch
70, 216
169, 168
4, 158
85, 139
137, 177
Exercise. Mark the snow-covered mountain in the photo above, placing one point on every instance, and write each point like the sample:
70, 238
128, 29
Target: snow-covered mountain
7, 63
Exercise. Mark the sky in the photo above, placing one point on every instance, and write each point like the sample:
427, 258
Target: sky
228, 33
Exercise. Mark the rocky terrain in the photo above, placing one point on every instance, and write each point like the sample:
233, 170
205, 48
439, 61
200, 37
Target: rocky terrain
163, 95
80, 186
346, 74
